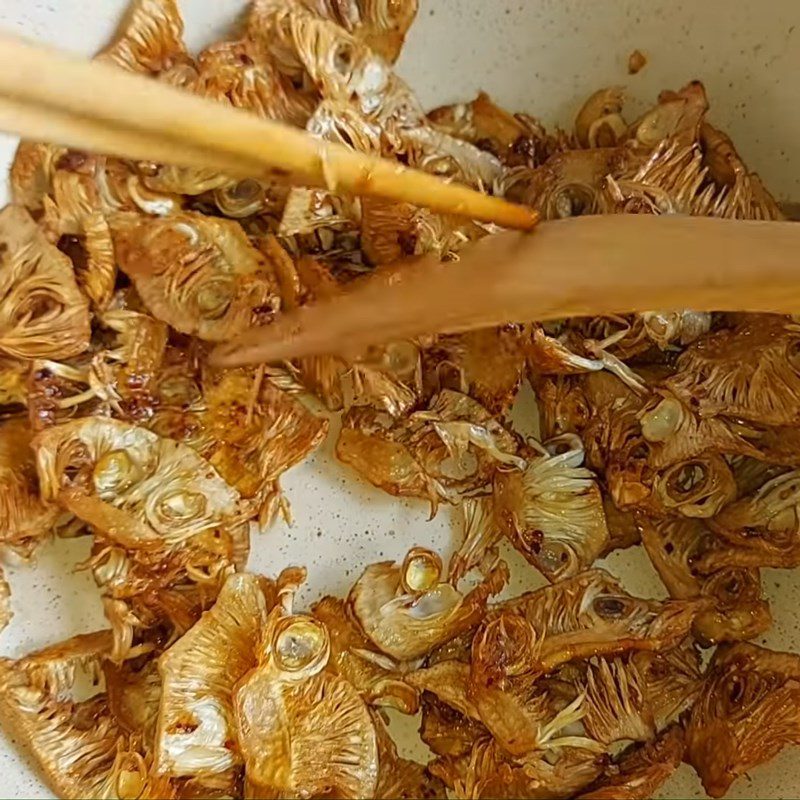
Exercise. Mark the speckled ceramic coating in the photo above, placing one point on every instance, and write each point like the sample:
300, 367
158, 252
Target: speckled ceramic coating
540, 56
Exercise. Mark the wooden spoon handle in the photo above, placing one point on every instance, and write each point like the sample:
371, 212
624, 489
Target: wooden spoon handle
577, 267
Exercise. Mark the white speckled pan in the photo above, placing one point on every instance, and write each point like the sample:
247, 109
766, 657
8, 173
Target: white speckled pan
540, 56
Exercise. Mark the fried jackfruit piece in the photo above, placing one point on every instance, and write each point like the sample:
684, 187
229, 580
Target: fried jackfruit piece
431, 150
677, 115
25, 519
739, 610
134, 695
750, 372
599, 122
199, 274
149, 39
445, 730
641, 770
672, 680
77, 742
523, 714
249, 431
759, 530
401, 778
590, 614
381, 24
199, 672
31, 177
408, 609
452, 447
487, 772
617, 705
749, 710
675, 180
302, 730
153, 596
482, 123
487, 364
42, 312
481, 537
553, 511
338, 64
377, 677
747, 195
139, 490
74, 217
568, 184
675, 433
124, 375
242, 73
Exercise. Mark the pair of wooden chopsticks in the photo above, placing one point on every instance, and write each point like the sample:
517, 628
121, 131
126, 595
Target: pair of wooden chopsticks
50, 96
592, 265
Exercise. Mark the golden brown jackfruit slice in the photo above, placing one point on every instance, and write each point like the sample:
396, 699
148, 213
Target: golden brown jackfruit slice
42, 312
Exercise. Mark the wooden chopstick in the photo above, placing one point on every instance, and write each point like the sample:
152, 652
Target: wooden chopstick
51, 96
578, 267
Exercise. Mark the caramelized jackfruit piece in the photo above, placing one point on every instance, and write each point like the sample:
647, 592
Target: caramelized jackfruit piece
568, 184
697, 487
486, 364
26, 520
198, 674
675, 433
445, 730
337, 63
74, 216
401, 778
641, 770
149, 39
590, 614
451, 448
31, 177
13, 389
376, 676
759, 530
672, 680
617, 705
381, 24
553, 511
303, 730
676, 547
481, 537
749, 372
250, 432
486, 772
243, 74
482, 123
677, 115
76, 742
134, 695
42, 312
199, 274
747, 196
599, 122
408, 609
523, 715
748, 711
140, 490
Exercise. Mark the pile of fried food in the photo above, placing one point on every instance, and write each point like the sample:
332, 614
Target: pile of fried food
676, 431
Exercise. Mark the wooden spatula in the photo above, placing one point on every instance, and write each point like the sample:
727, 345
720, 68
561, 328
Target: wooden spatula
583, 266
